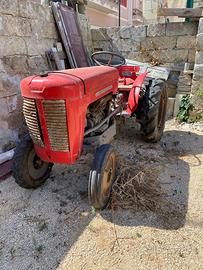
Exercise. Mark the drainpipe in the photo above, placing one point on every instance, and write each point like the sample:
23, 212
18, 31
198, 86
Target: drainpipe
189, 4
119, 13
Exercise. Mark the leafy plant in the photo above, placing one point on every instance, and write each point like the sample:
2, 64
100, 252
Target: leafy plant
12, 252
42, 225
184, 109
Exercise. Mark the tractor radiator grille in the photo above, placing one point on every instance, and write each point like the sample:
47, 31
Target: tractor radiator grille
31, 119
56, 122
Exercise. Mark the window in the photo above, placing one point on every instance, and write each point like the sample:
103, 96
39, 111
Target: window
124, 3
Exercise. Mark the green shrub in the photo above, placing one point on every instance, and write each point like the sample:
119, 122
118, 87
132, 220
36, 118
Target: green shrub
185, 108
187, 112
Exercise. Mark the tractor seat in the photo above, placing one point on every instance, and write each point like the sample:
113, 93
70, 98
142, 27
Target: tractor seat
125, 84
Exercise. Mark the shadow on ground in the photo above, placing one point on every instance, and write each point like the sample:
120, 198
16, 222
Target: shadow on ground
42, 225
172, 157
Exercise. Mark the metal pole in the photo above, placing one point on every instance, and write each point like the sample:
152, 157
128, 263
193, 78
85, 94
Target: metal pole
119, 13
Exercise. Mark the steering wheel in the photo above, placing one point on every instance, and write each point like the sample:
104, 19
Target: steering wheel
104, 58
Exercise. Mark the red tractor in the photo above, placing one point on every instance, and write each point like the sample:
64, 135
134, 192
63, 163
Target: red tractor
71, 110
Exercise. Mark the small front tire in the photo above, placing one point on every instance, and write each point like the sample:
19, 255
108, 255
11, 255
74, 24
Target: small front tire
28, 169
102, 176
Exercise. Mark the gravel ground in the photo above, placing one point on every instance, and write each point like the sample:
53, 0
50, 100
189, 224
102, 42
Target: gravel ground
54, 227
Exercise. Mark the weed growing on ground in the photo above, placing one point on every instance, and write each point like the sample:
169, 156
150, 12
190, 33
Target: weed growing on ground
42, 225
91, 228
138, 235
38, 248
12, 252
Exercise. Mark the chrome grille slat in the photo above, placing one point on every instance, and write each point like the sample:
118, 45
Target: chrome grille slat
56, 122
31, 119
58, 133
55, 117
55, 101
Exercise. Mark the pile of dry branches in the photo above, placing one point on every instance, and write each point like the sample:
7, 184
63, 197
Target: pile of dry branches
136, 187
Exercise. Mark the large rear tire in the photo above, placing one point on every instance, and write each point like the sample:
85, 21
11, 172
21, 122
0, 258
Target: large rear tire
102, 176
153, 122
28, 169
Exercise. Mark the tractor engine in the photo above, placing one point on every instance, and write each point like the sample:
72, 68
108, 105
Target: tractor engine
97, 112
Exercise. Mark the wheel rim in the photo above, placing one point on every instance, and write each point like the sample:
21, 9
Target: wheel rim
108, 176
37, 168
161, 114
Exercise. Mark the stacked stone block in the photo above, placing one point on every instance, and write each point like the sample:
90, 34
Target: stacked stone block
197, 84
155, 43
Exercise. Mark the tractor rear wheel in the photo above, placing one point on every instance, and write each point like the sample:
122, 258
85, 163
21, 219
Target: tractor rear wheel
153, 123
102, 176
28, 169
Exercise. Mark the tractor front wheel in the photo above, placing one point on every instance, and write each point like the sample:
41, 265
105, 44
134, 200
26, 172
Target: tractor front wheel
102, 176
28, 169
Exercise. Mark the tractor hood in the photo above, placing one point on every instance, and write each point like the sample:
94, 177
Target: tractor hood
85, 80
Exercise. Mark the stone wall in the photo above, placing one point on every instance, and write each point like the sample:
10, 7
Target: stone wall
172, 43
197, 84
86, 32
27, 29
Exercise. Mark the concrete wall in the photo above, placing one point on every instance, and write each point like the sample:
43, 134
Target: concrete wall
172, 43
198, 3
150, 10
197, 84
27, 29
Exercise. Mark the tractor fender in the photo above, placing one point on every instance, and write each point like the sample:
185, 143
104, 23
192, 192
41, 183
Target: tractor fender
134, 95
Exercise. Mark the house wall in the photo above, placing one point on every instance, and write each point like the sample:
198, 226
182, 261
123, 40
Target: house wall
150, 10
102, 19
27, 29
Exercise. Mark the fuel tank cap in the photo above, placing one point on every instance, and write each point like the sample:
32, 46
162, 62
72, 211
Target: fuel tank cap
44, 74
